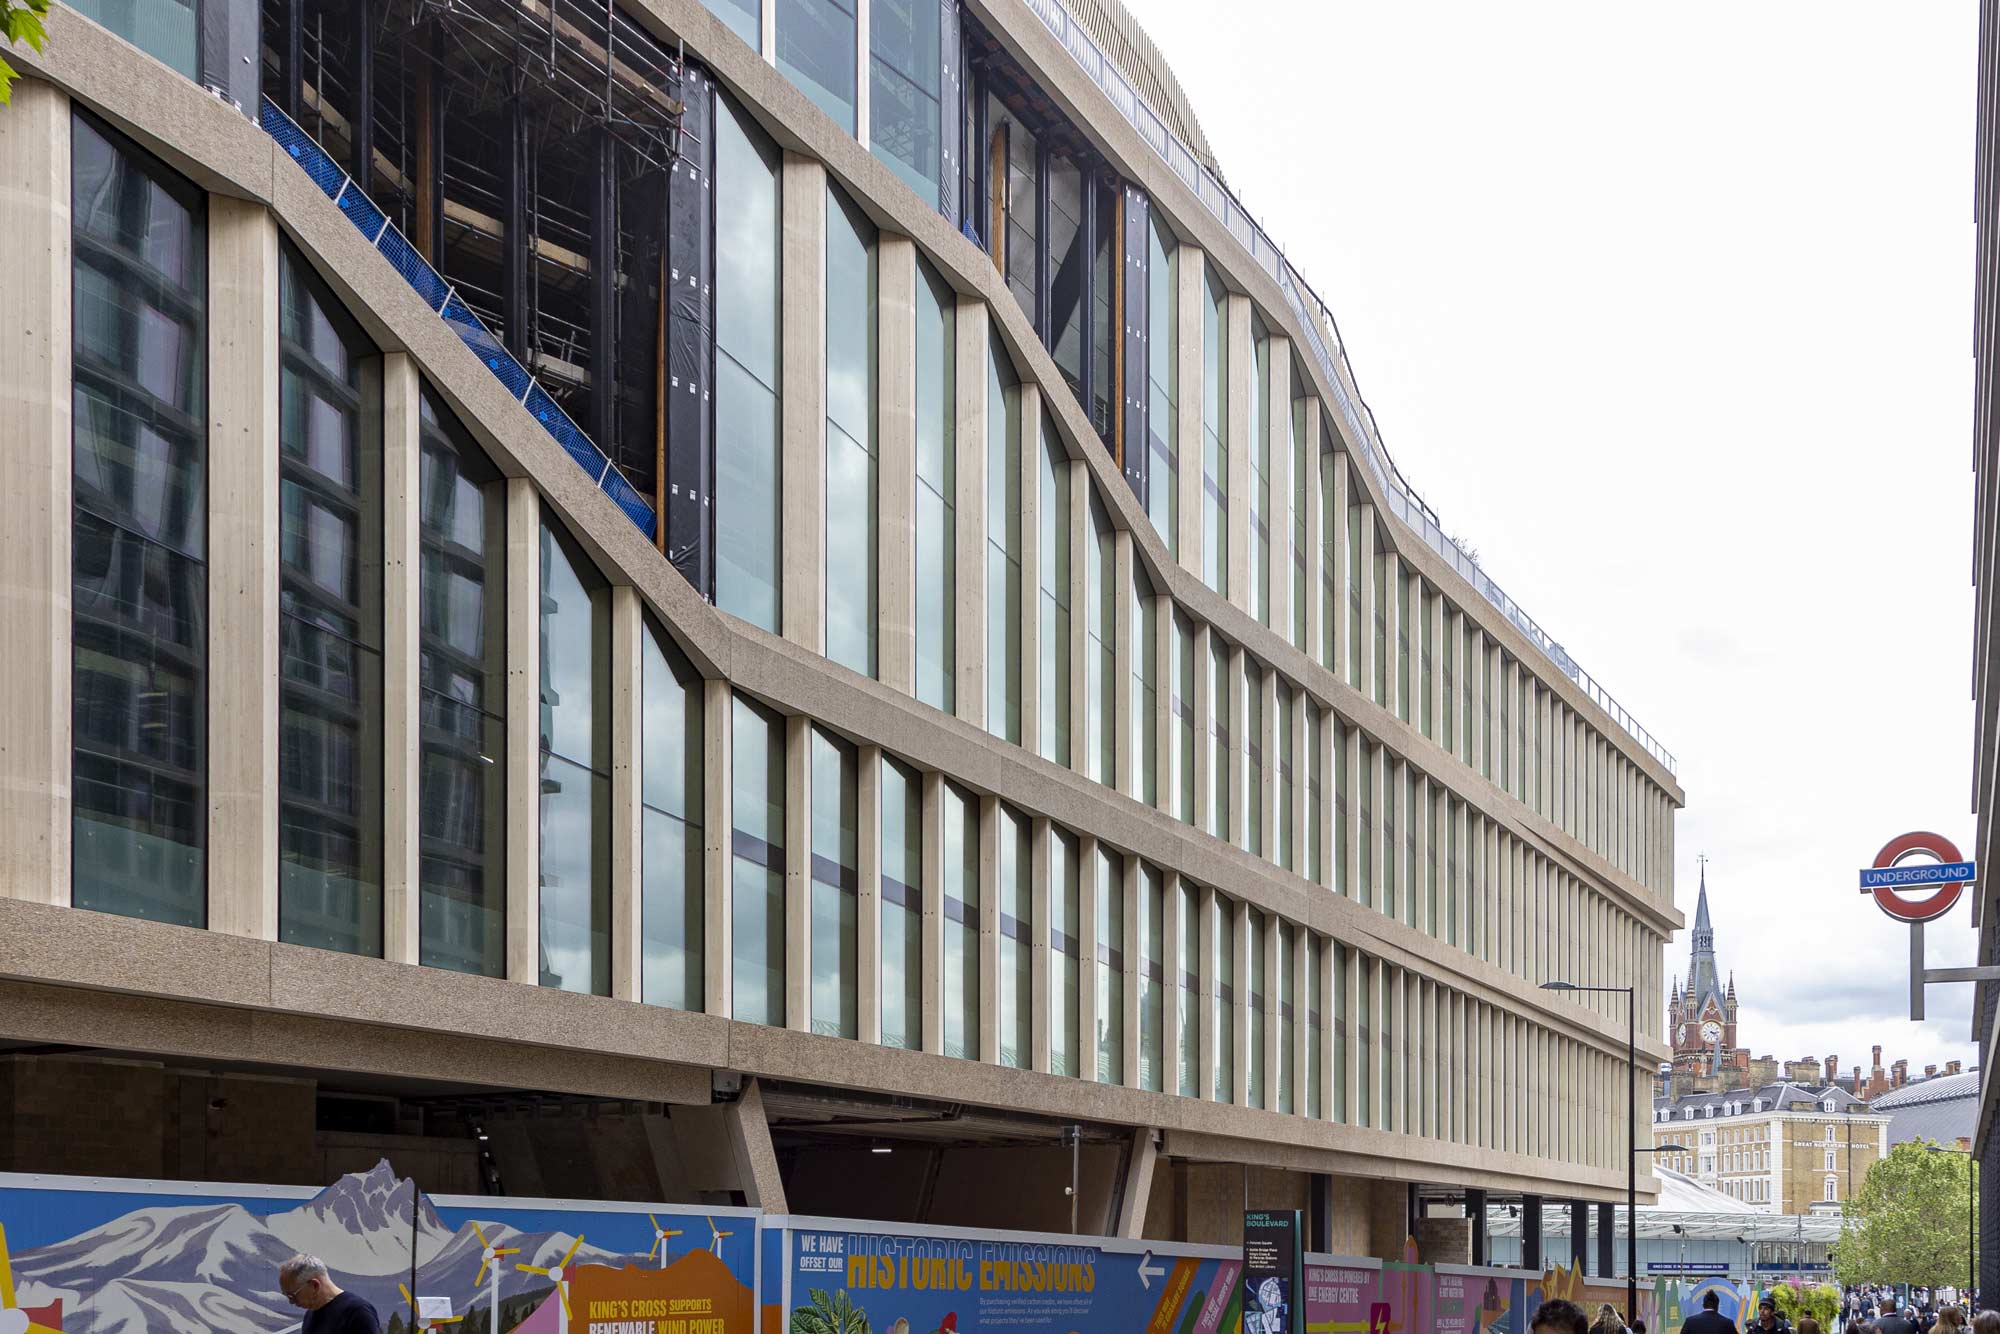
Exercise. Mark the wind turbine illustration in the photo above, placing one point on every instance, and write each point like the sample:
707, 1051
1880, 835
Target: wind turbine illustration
490, 1256
25, 1320
555, 1271
660, 1235
716, 1235
433, 1323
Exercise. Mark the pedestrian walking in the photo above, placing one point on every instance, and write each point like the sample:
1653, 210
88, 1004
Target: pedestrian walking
1898, 1322
329, 1309
1768, 1319
1709, 1320
1607, 1321
1559, 1317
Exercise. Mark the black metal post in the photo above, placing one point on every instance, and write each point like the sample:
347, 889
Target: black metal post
1607, 1240
514, 239
361, 116
1475, 1213
1531, 1232
1631, 1154
292, 59
603, 293
1579, 1235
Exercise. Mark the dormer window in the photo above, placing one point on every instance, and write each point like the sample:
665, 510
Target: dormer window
1757, 1105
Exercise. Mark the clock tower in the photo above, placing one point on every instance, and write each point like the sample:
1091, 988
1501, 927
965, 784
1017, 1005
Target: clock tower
1701, 1018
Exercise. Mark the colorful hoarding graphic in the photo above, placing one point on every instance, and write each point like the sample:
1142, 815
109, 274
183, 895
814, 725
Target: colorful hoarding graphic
1342, 1299
136, 1257
844, 1281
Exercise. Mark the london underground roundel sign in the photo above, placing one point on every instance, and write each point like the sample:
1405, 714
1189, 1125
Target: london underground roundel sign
1888, 878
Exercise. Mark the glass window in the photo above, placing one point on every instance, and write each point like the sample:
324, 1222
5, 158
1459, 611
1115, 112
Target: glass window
1448, 686
1017, 941
1316, 725
1145, 749
1069, 257
1012, 165
746, 369
1152, 974
1404, 687
167, 30
1287, 833
905, 91
575, 769
1066, 945
1413, 820
671, 765
139, 664
937, 492
1054, 566
816, 52
850, 436
1364, 782
1223, 962
1354, 577
902, 906
1100, 669
1380, 685
1315, 1024
330, 622
1215, 440
835, 881
961, 923
1220, 719
1003, 545
1110, 895
1260, 474
1182, 733
1259, 979
1391, 781
757, 864
1253, 758
1365, 1040
1285, 983
1342, 786
744, 17
1338, 1111
1105, 337
1329, 561
1425, 600
462, 696
1302, 484
1188, 997
1163, 489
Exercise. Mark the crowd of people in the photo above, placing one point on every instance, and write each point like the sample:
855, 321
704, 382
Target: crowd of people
1864, 1309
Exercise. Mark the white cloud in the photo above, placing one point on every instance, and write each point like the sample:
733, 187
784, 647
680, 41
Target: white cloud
1669, 311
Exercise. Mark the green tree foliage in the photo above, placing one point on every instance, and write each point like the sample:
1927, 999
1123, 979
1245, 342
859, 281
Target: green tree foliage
1908, 1222
1819, 1301
20, 21
829, 1313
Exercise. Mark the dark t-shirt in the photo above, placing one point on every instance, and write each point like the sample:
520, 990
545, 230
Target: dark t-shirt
345, 1314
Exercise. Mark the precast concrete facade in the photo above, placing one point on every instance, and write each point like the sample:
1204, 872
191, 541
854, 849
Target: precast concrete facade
1021, 726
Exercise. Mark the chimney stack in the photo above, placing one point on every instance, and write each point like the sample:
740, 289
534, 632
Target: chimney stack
1832, 1067
1877, 1050
1899, 1074
1930, 1072
1951, 1067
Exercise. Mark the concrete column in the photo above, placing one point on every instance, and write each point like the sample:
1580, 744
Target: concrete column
717, 815
1039, 933
1475, 665
1352, 981
868, 895
1377, 778
243, 557
1163, 722
933, 918
1086, 949
1351, 798
1240, 1012
1395, 699
1242, 369
1267, 744
402, 591
1125, 667
750, 1145
524, 708
1191, 294
1366, 576
1139, 1166
1436, 622
1298, 967
36, 502
1330, 1007
798, 874
802, 410
627, 842
896, 450
1378, 1010
1130, 947
973, 329
1396, 1001
1310, 494
1285, 576
1171, 927
1321, 740
989, 930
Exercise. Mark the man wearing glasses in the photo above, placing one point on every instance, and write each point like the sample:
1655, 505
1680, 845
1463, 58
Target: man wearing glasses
305, 1283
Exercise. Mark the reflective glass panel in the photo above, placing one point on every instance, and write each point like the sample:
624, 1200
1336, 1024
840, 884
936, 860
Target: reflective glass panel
746, 369
671, 794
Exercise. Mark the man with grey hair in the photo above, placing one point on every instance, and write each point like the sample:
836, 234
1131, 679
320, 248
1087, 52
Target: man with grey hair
306, 1284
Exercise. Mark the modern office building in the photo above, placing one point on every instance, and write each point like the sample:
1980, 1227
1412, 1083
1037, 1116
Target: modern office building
777, 603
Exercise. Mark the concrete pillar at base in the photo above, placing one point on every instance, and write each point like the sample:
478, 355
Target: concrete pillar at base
1607, 1237
1444, 1241
1531, 1232
1137, 1192
1388, 1219
35, 499
1475, 1216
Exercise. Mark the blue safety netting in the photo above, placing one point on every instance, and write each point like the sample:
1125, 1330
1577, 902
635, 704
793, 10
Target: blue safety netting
429, 284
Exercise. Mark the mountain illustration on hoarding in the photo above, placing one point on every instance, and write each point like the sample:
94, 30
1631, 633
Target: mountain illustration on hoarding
215, 1267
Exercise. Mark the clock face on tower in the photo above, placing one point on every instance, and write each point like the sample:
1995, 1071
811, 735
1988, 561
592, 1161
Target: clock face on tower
1711, 1031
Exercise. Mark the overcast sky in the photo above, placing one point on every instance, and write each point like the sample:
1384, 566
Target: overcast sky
1668, 312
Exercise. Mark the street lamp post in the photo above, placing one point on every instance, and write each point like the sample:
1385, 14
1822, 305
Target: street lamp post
1631, 1137
1971, 1217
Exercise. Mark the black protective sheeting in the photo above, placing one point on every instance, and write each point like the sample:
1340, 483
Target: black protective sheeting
689, 483
950, 98
1138, 287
